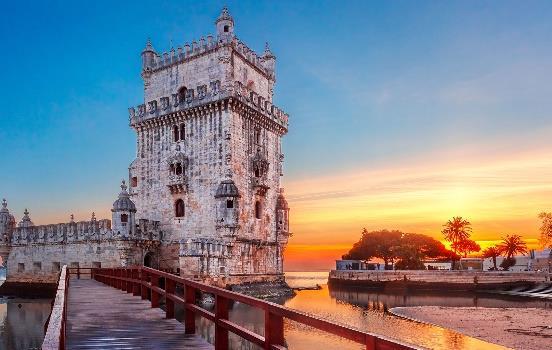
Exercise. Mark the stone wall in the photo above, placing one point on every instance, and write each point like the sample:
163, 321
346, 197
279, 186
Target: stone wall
437, 279
41, 263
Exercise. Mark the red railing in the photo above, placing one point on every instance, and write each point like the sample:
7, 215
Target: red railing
55, 327
141, 280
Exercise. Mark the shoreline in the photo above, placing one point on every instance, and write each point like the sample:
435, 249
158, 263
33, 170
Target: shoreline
517, 328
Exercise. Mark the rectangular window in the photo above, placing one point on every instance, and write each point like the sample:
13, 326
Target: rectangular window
56, 266
37, 266
20, 267
134, 182
229, 203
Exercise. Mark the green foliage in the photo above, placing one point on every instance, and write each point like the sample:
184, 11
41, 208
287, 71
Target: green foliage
408, 249
465, 247
546, 229
493, 253
512, 245
507, 263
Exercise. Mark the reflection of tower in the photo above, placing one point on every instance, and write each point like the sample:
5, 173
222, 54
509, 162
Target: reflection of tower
7, 224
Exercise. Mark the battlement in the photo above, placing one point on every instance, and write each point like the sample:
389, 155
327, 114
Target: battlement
82, 231
201, 47
175, 103
63, 232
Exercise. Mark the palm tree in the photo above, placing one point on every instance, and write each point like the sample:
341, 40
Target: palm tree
512, 245
493, 253
457, 229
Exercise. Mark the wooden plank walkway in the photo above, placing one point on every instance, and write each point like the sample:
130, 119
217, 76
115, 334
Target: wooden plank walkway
102, 317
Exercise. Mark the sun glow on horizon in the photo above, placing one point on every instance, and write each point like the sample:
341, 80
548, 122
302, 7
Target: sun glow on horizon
498, 196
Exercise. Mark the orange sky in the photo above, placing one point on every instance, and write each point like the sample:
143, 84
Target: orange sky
498, 193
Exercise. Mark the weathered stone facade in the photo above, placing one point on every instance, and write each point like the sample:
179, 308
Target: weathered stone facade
206, 178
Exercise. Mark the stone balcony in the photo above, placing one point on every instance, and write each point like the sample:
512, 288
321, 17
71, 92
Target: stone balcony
260, 184
177, 183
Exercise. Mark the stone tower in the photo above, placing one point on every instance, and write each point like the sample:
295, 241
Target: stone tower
209, 158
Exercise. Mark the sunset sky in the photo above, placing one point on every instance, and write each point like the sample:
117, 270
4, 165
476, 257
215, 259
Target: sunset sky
402, 114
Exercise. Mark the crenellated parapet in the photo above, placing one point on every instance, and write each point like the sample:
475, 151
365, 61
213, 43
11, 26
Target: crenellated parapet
203, 46
93, 230
154, 111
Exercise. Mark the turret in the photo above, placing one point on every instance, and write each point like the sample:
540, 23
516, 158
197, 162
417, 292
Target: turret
269, 61
282, 214
7, 223
225, 25
148, 57
123, 214
227, 204
26, 220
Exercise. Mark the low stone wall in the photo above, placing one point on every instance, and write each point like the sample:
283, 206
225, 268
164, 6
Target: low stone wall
450, 280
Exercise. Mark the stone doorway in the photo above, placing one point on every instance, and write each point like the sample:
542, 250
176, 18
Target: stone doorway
150, 260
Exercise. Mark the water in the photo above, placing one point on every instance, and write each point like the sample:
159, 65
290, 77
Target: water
22, 320
22, 323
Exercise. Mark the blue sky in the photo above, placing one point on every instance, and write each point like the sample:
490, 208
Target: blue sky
368, 84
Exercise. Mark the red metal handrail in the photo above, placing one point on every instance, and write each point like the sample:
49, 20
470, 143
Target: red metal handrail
139, 280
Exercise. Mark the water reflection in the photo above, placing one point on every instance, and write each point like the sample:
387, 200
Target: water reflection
22, 323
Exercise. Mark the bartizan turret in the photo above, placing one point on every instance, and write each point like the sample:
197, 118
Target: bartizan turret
123, 214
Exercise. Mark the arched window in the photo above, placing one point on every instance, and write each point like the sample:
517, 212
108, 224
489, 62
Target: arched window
182, 132
176, 133
258, 209
179, 208
226, 28
257, 172
124, 218
257, 136
182, 94
171, 168
178, 169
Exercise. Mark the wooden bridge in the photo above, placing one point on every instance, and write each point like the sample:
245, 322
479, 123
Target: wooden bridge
120, 309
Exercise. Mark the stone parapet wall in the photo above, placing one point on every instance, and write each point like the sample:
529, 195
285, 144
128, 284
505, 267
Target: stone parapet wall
468, 279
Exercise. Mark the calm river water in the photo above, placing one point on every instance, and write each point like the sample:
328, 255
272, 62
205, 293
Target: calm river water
21, 321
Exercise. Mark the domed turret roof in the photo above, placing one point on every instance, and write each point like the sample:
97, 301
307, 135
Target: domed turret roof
225, 16
281, 202
6, 219
26, 220
124, 203
227, 188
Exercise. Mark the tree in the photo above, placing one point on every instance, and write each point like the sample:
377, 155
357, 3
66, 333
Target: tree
546, 229
410, 249
375, 244
456, 230
512, 245
414, 248
465, 247
493, 253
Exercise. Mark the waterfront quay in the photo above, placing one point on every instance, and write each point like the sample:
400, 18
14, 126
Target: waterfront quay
439, 280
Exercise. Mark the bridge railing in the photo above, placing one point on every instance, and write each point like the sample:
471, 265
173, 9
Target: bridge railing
144, 282
55, 325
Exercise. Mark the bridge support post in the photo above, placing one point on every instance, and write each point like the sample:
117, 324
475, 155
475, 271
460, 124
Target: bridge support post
154, 293
136, 284
221, 313
143, 288
370, 343
189, 317
170, 287
130, 284
274, 330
